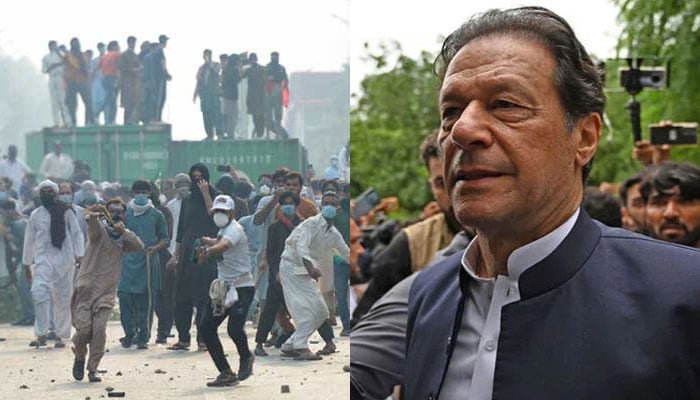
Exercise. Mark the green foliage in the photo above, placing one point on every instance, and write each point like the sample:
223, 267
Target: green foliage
396, 110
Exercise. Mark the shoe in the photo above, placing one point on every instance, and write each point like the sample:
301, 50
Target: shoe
306, 355
51, 336
288, 350
92, 377
39, 341
345, 332
201, 346
179, 346
283, 338
260, 351
59, 344
126, 342
329, 348
226, 378
161, 340
142, 346
245, 370
78, 369
332, 321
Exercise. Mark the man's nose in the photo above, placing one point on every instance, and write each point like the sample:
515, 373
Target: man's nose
472, 128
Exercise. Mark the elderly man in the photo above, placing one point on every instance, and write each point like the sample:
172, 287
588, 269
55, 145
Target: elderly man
56, 165
544, 303
53, 243
310, 244
96, 286
672, 196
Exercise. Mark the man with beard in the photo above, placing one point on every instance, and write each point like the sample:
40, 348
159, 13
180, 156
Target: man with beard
93, 298
413, 248
53, 243
634, 212
193, 280
672, 194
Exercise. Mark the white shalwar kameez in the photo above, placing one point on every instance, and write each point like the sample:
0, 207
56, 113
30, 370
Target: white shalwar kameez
314, 239
53, 269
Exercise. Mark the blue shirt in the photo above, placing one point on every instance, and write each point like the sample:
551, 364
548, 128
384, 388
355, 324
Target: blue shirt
254, 234
151, 228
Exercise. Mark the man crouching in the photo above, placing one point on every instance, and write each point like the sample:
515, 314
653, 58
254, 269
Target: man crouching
97, 280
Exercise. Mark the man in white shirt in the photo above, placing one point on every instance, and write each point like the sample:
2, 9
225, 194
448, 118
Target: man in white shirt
53, 244
309, 244
52, 64
13, 168
182, 187
56, 165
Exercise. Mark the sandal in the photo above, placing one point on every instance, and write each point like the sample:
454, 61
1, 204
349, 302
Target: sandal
307, 355
179, 346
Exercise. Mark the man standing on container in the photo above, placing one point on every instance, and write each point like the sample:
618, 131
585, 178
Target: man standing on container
207, 89
53, 244
130, 76
255, 100
52, 64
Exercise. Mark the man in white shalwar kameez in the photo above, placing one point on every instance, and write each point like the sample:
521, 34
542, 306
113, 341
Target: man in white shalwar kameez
53, 243
52, 64
313, 240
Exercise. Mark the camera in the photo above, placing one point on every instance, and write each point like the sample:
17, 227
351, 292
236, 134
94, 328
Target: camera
678, 133
652, 78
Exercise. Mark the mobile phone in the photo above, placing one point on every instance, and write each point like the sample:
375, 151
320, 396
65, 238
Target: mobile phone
222, 168
365, 202
678, 133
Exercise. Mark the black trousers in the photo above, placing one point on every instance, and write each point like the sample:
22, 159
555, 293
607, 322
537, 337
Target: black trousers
236, 321
259, 125
165, 307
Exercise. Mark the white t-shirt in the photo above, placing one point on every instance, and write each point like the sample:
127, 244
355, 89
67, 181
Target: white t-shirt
15, 170
236, 260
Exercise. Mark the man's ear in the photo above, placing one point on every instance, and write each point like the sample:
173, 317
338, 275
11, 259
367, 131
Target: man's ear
588, 131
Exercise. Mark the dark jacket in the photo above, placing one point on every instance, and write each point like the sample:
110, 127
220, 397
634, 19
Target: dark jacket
608, 315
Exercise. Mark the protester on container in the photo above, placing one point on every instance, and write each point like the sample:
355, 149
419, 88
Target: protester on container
56, 165
98, 93
53, 244
76, 72
207, 89
193, 280
130, 68
108, 66
13, 168
65, 195
310, 243
96, 284
52, 64
234, 295
277, 83
255, 98
15, 224
155, 80
230, 78
165, 304
140, 281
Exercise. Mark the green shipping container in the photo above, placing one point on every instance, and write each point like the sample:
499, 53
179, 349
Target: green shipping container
114, 153
253, 157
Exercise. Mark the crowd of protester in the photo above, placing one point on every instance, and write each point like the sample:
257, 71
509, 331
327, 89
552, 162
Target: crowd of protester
138, 79
188, 251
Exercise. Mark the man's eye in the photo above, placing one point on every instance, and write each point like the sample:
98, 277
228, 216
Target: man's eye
450, 112
504, 104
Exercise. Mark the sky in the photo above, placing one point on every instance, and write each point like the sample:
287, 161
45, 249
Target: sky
310, 35
419, 25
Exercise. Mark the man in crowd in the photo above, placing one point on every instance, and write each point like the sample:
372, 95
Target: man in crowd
193, 280
15, 225
98, 93
182, 188
309, 243
230, 77
207, 89
96, 284
255, 98
140, 281
130, 78
53, 244
165, 303
76, 73
634, 214
521, 107
333, 170
234, 275
672, 196
65, 194
109, 69
56, 165
52, 64
13, 168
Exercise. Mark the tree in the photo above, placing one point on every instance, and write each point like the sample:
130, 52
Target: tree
395, 111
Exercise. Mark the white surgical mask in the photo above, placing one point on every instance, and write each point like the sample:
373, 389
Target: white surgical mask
220, 219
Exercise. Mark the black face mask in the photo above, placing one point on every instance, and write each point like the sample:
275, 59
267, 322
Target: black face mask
47, 200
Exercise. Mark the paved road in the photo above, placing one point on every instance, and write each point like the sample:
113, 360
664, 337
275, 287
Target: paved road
47, 372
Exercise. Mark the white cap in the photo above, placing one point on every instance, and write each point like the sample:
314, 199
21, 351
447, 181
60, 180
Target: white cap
49, 184
223, 202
